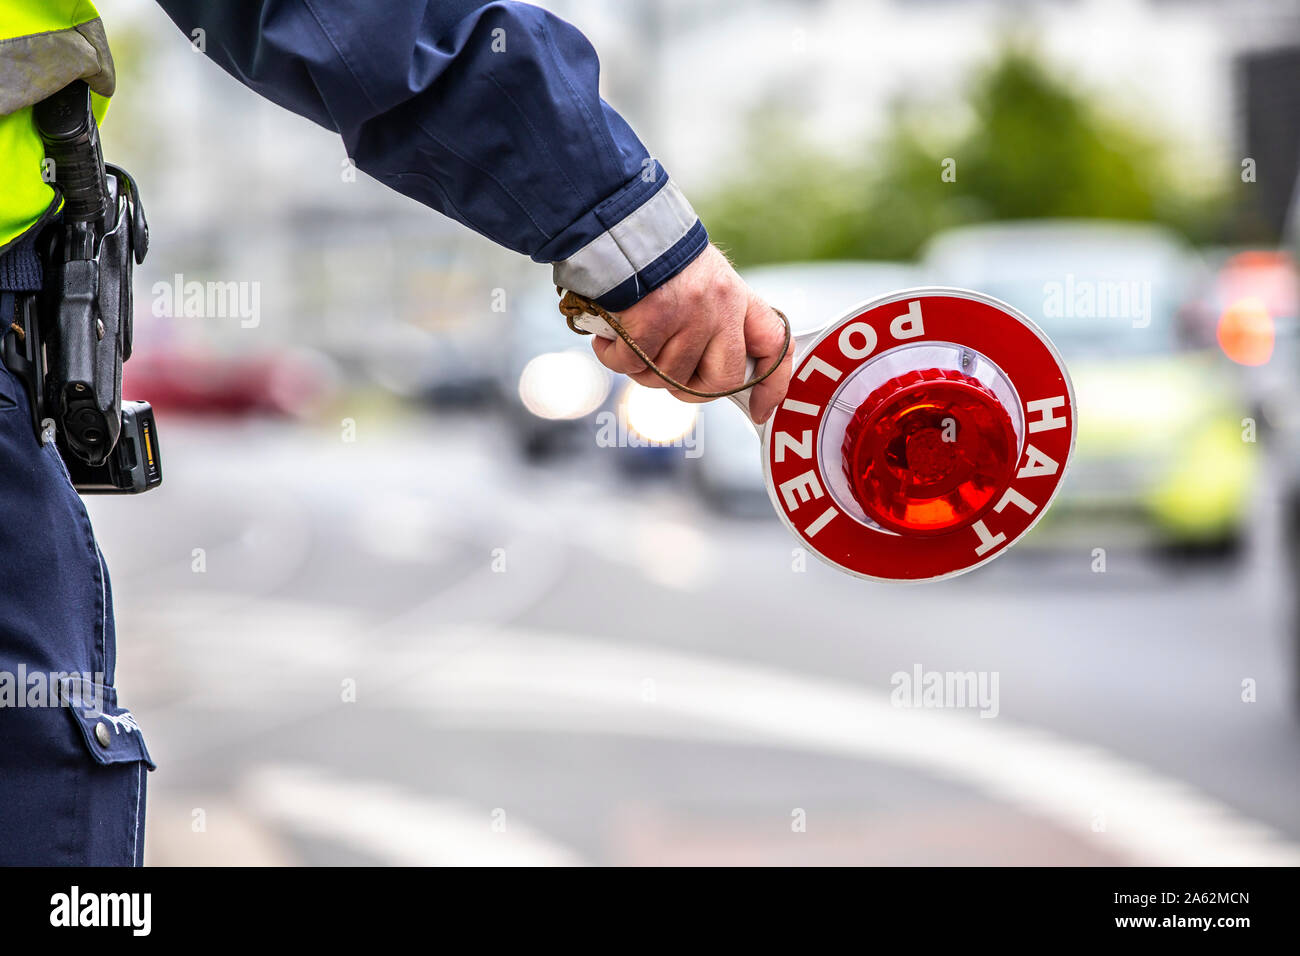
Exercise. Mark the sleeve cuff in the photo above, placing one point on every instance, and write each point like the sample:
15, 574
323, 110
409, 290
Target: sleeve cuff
644, 242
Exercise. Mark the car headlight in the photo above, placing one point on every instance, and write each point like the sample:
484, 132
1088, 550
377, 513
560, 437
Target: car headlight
656, 416
563, 385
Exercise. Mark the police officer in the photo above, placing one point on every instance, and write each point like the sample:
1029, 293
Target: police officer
490, 114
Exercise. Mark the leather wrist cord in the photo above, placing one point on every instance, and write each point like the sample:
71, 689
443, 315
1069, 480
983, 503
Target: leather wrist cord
573, 305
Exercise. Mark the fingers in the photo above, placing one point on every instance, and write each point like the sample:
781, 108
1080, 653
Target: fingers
722, 364
699, 328
616, 356
679, 360
764, 339
650, 323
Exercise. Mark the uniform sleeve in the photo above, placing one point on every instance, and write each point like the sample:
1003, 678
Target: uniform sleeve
488, 113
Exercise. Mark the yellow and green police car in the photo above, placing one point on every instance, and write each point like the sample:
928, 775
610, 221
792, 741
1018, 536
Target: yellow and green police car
1167, 452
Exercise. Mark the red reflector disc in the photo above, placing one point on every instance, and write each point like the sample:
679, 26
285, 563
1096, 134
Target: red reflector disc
929, 451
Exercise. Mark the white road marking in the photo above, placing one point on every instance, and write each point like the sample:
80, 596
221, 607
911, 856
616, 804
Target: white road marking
519, 679
393, 825
540, 681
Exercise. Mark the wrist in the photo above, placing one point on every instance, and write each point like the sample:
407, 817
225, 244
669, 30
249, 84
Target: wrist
648, 233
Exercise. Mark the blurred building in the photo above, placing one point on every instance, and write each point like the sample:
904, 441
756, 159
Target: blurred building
238, 189
840, 63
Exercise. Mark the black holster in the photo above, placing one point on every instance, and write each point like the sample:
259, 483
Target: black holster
68, 344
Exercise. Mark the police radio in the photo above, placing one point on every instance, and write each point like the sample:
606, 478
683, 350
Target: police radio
923, 434
74, 337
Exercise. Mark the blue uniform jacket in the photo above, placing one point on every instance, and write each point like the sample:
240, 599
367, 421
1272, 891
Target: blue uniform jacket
487, 112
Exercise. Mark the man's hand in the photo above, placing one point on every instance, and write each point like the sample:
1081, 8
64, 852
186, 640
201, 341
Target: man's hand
699, 327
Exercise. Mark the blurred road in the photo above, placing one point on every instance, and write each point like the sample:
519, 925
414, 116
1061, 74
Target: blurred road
412, 649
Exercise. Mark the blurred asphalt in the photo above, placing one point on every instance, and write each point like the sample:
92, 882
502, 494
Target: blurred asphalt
563, 665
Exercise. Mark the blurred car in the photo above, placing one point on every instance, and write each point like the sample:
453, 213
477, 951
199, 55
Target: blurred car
195, 381
550, 381
729, 473
1160, 456
559, 398
1249, 309
444, 366
1252, 305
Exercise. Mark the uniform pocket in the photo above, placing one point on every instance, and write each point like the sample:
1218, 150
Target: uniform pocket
102, 821
109, 731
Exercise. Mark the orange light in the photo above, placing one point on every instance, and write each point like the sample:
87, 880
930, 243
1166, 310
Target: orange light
1245, 332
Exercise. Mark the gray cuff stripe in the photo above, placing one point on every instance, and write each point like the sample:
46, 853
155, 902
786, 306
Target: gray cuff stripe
33, 67
615, 256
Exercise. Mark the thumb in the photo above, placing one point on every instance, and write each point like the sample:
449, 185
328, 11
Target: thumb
765, 336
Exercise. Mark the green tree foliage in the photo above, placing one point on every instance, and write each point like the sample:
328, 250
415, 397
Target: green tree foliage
1033, 147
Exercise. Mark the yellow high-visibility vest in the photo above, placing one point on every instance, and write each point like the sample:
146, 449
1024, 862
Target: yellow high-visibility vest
44, 46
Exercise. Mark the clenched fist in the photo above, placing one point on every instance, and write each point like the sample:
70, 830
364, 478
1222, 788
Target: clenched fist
699, 327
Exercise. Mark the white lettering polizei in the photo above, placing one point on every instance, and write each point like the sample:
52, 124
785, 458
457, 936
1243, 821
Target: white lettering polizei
785, 442
815, 364
908, 325
801, 488
822, 521
861, 330
801, 408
